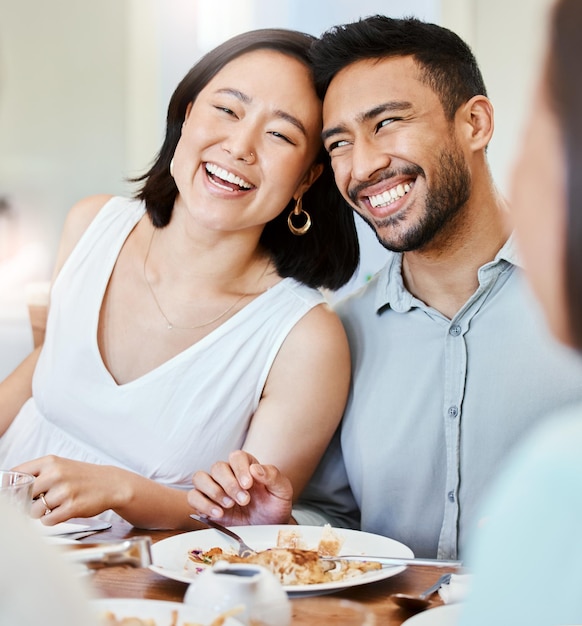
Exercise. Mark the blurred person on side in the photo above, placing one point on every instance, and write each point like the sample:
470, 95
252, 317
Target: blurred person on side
527, 553
187, 322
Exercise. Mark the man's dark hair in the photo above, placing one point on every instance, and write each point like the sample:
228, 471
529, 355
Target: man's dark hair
445, 61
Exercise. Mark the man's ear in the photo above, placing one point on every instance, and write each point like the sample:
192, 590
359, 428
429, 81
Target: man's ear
310, 177
476, 121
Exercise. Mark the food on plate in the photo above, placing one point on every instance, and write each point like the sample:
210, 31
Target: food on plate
293, 562
329, 544
109, 619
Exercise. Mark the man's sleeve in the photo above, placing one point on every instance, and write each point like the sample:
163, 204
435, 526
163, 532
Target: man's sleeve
328, 498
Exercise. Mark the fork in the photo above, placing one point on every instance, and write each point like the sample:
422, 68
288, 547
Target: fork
243, 549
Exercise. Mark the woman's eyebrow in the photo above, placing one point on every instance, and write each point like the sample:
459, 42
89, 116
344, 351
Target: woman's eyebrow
284, 115
239, 95
292, 120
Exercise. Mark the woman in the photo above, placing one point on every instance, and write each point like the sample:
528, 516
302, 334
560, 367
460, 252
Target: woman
186, 323
527, 556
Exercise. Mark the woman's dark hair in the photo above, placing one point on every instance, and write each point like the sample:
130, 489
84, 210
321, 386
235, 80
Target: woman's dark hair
565, 93
328, 254
446, 62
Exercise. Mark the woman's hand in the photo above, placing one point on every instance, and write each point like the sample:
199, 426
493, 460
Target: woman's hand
71, 488
242, 492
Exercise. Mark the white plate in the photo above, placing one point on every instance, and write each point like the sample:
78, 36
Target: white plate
158, 610
171, 555
445, 615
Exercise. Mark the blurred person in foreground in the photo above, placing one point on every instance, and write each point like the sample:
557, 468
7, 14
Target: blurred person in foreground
187, 322
451, 361
37, 585
527, 556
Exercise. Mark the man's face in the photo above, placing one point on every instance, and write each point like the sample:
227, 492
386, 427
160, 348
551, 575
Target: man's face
394, 154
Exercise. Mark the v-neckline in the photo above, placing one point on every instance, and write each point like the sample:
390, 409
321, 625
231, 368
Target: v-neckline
198, 345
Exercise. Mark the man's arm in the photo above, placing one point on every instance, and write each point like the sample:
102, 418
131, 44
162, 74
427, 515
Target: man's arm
328, 498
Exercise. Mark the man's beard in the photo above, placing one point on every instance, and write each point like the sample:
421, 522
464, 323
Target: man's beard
443, 202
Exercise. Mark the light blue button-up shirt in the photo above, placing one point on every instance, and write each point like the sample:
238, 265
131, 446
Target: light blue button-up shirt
435, 406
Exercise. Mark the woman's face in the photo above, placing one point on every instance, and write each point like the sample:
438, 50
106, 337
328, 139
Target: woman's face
538, 204
248, 142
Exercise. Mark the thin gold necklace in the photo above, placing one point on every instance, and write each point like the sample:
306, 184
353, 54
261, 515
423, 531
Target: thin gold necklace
170, 324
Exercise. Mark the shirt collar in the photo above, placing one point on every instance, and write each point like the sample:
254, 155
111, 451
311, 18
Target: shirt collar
390, 289
509, 252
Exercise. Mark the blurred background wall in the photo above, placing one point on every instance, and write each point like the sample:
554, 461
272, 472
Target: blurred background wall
84, 88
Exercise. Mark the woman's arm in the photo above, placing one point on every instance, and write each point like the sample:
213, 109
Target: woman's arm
304, 397
16, 389
76, 489
301, 407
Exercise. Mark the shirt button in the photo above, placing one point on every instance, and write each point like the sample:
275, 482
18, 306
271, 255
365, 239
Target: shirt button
451, 496
453, 412
455, 330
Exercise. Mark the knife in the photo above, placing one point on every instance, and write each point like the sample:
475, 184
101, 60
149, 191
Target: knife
393, 560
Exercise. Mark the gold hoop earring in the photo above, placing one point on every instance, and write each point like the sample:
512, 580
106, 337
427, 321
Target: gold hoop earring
298, 210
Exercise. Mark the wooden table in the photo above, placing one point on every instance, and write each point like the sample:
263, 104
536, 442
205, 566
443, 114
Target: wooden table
128, 582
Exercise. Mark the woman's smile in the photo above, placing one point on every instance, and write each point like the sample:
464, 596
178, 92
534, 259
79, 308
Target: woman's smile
225, 179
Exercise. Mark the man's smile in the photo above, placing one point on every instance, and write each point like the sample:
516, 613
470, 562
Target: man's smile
389, 196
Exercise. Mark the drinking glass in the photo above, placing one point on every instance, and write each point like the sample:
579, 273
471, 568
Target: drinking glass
16, 488
336, 611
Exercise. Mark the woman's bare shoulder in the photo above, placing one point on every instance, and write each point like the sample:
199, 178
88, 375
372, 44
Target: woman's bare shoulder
82, 214
319, 336
77, 221
323, 322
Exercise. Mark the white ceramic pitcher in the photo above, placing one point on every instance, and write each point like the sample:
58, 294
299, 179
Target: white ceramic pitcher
253, 588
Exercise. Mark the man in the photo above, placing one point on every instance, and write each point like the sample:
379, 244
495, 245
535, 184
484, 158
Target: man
451, 363
451, 359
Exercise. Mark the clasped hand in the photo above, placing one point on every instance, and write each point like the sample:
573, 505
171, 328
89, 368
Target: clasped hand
242, 492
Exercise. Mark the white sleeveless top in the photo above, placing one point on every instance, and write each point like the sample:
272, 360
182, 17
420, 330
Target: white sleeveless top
184, 415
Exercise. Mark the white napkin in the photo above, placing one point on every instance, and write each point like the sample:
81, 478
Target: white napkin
456, 590
63, 528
